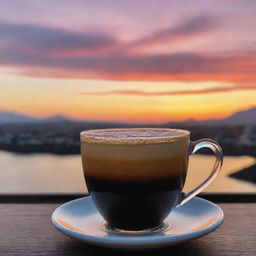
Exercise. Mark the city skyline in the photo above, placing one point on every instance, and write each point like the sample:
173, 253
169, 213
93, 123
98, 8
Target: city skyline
115, 62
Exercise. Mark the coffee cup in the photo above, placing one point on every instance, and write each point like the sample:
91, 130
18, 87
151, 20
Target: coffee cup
136, 176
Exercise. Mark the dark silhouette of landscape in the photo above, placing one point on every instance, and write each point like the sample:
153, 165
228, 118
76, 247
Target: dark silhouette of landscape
60, 134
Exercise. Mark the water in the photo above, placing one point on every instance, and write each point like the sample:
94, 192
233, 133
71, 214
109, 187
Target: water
47, 173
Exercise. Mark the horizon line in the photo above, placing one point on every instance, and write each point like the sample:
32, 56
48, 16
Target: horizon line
70, 118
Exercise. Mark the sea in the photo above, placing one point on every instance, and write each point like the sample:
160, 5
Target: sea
63, 174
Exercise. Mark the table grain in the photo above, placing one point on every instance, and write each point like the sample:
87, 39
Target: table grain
26, 229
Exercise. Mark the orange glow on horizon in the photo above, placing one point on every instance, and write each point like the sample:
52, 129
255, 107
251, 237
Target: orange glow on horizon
142, 115
157, 118
139, 117
46, 97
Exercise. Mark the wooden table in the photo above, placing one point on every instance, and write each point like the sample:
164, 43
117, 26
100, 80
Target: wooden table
26, 229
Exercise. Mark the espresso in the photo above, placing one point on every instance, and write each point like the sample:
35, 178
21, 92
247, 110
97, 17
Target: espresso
134, 205
135, 176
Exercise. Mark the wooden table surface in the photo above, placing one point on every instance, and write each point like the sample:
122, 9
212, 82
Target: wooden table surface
26, 230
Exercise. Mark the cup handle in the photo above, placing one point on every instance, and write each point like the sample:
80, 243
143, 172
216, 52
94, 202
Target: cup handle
195, 146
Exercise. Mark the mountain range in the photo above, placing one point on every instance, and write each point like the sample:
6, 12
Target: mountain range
245, 117
14, 117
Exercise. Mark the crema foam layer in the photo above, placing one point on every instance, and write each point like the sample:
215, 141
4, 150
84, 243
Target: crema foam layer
118, 155
133, 136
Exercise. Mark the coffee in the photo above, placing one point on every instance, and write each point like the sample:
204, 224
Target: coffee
135, 176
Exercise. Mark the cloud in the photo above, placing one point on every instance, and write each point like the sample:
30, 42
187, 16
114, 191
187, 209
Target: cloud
50, 40
42, 51
173, 93
186, 29
180, 66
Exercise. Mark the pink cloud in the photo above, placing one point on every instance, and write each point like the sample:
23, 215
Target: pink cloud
38, 50
186, 30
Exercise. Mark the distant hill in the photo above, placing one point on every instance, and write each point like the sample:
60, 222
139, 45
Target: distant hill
11, 117
245, 117
7, 117
242, 117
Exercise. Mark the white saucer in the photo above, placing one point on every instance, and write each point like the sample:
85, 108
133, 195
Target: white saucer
80, 219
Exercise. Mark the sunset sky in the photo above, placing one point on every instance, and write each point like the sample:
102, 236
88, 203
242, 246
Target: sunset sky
133, 61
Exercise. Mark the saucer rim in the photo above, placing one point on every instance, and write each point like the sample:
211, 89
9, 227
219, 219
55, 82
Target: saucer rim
138, 241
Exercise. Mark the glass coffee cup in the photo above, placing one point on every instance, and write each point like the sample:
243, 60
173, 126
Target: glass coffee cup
136, 176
